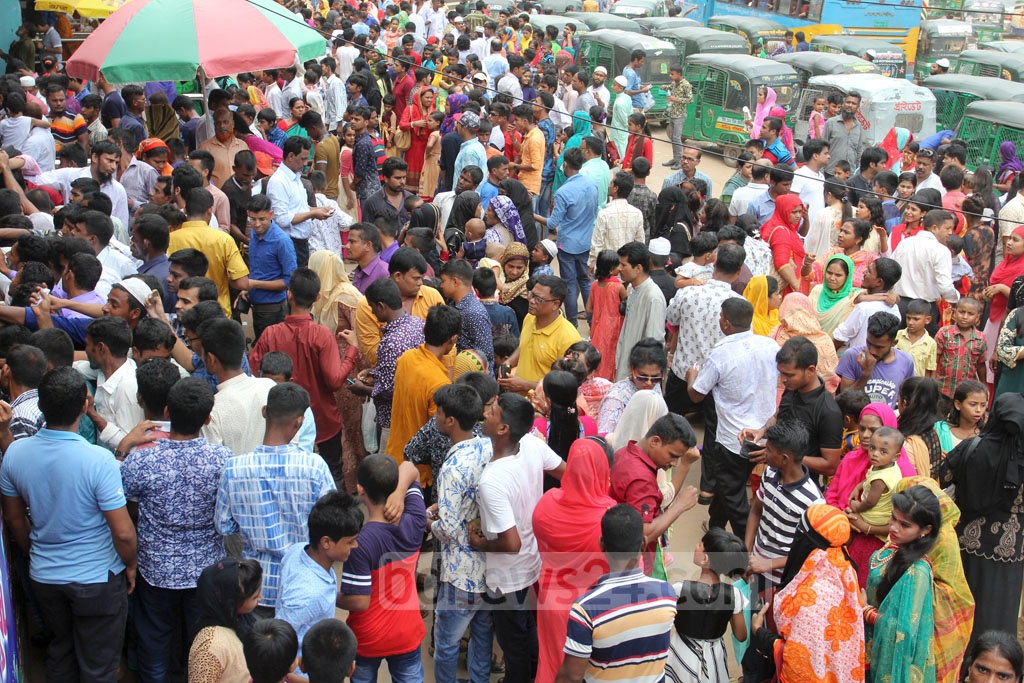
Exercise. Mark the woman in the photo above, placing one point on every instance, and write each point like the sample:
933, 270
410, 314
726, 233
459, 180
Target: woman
414, 121
917, 404
465, 208
819, 631
850, 241
520, 196
392, 33
1009, 168
952, 602
995, 653
894, 142
674, 221
647, 364
870, 209
822, 237
336, 309
988, 471
504, 224
765, 102
913, 215
763, 292
780, 233
429, 216
836, 296
1003, 275
899, 616
567, 524
581, 128
714, 216
905, 188
513, 294
641, 412
563, 424
452, 111
639, 144
1010, 346
226, 593
798, 318
290, 125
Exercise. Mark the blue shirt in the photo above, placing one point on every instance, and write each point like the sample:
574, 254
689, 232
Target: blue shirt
574, 213
547, 126
69, 484
762, 207
75, 327
681, 177
308, 591
175, 483
633, 82
471, 153
487, 191
475, 331
160, 268
778, 150
266, 496
271, 257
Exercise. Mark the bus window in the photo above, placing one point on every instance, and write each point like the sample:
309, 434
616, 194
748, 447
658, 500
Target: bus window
737, 95
813, 10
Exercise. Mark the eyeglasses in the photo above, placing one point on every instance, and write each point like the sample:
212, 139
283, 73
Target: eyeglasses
535, 297
648, 379
925, 153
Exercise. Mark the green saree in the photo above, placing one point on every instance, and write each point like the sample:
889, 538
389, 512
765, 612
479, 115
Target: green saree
900, 642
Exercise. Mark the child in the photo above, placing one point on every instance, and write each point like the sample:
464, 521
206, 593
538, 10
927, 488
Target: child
270, 648
699, 270
816, 121
308, 582
504, 347
277, 365
873, 498
706, 607
756, 148
475, 247
960, 348
15, 129
328, 652
503, 318
835, 103
543, 253
852, 402
348, 140
884, 186
842, 170
226, 592
432, 158
787, 484
966, 414
326, 233
915, 339
603, 307
593, 388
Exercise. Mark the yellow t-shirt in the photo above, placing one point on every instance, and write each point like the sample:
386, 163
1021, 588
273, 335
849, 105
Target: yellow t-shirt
368, 328
923, 351
882, 510
538, 349
226, 263
418, 374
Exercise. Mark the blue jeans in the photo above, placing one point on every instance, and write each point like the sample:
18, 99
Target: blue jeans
158, 613
407, 668
456, 611
542, 202
573, 269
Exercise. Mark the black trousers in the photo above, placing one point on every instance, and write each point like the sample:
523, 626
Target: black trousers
330, 451
678, 400
301, 252
515, 626
265, 315
730, 474
88, 624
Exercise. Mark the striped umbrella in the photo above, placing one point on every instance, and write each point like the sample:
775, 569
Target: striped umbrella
169, 40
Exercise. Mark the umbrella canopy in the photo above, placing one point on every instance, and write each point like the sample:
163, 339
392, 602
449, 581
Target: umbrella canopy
65, 6
85, 8
169, 40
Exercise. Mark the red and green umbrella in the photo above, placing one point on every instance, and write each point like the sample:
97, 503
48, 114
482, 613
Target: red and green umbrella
169, 40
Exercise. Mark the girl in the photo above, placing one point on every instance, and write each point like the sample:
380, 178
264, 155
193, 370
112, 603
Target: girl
639, 143
899, 617
979, 246
603, 305
392, 33
905, 188
835, 297
593, 388
714, 215
918, 407
966, 413
226, 593
823, 233
707, 607
765, 101
870, 209
763, 292
852, 235
432, 157
816, 121
563, 424
348, 138
914, 210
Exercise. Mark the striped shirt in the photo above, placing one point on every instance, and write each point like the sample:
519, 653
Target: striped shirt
623, 626
66, 129
26, 418
783, 506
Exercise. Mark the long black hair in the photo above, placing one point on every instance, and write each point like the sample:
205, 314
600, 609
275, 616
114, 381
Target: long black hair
919, 505
999, 643
920, 412
561, 388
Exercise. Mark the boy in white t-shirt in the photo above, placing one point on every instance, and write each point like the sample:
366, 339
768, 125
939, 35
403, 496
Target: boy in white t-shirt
698, 271
15, 129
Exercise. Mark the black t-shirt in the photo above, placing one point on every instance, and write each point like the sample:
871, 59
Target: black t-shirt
238, 199
666, 283
818, 411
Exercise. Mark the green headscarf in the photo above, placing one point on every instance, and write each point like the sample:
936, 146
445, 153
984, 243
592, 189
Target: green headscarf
581, 127
827, 299
833, 307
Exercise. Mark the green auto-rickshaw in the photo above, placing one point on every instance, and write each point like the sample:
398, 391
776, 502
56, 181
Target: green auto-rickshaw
634, 9
595, 22
1006, 65
760, 33
940, 39
691, 41
890, 59
612, 49
985, 18
1002, 45
986, 125
953, 92
651, 25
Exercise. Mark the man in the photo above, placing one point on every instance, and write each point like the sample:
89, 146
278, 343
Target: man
363, 248
97, 229
872, 162
780, 182
51, 45
645, 306
595, 167
547, 126
471, 153
598, 88
545, 337
20, 377
757, 186
511, 83
238, 190
844, 134
326, 153
679, 95
510, 487
642, 197
133, 121
924, 168
560, 118
91, 105
809, 179
225, 264
926, 266
495, 64
531, 165
292, 87
403, 84
272, 256
688, 171
335, 96
105, 156
365, 179
292, 211
419, 373
940, 66
223, 146
625, 616
573, 217
81, 540
475, 333
116, 410
566, 92
150, 237
955, 155
65, 127
774, 149
585, 99
733, 371
497, 171
878, 368
266, 495
317, 366
389, 201
184, 263
618, 223
634, 85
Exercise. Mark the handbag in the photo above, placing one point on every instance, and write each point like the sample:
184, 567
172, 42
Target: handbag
402, 139
369, 424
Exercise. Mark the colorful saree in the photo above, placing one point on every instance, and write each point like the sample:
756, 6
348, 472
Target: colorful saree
900, 643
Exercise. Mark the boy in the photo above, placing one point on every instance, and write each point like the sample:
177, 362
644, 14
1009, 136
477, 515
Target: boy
786, 491
851, 403
503, 318
544, 252
277, 365
504, 348
960, 348
843, 170
884, 185
309, 586
699, 270
378, 584
879, 278
915, 339
755, 147
270, 647
328, 652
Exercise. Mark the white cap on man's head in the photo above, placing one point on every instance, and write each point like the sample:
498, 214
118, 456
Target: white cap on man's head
28, 82
942, 63
660, 246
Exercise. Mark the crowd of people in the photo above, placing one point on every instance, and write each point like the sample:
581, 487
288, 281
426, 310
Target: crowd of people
415, 305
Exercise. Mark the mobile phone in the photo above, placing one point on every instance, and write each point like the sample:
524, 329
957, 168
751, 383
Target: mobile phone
349, 380
503, 371
748, 447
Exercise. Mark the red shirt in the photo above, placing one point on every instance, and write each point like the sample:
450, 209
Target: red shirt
635, 483
318, 367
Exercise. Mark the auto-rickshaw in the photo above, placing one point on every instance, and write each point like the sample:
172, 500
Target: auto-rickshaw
940, 39
651, 25
612, 49
890, 59
722, 86
986, 125
595, 21
953, 92
561, 6
885, 103
540, 23
758, 32
1006, 65
634, 9
1012, 46
810, 64
985, 17
691, 41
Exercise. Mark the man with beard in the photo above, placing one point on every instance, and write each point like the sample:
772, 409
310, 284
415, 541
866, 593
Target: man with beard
844, 134
105, 157
598, 88
223, 146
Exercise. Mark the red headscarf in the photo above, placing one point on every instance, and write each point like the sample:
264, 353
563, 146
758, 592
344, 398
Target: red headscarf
568, 519
787, 247
1011, 268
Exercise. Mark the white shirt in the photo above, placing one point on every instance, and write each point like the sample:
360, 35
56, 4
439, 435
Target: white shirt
435, 22
696, 310
736, 372
335, 102
237, 418
854, 330
927, 269
811, 188
40, 146
510, 84
14, 130
291, 89
479, 47
288, 197
346, 55
117, 263
742, 197
601, 94
932, 182
276, 101
509, 490
117, 401
62, 178
560, 115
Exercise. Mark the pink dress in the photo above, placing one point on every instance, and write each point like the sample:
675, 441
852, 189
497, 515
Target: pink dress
606, 324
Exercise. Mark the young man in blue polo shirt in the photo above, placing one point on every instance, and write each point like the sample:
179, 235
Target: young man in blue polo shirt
272, 260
